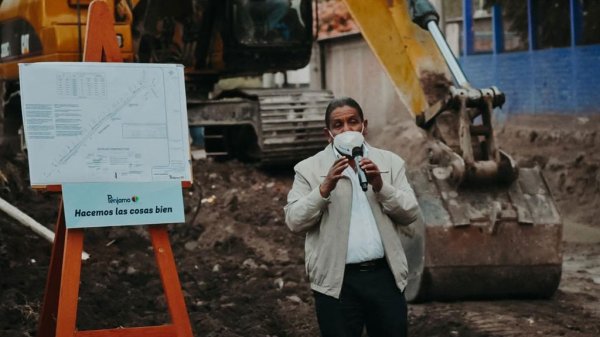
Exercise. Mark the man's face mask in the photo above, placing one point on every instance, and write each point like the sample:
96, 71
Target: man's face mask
346, 141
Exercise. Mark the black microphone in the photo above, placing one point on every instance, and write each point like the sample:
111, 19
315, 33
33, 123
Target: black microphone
357, 153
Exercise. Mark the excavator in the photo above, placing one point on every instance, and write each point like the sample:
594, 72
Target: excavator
213, 39
489, 229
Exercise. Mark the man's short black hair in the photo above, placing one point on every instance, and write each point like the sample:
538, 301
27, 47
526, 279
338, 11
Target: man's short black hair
341, 102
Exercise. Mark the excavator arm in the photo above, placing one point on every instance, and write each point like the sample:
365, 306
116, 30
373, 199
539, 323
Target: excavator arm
419, 62
489, 229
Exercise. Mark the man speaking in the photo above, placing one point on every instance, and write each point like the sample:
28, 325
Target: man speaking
354, 257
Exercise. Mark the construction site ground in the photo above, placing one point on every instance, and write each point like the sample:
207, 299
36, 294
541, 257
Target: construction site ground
242, 270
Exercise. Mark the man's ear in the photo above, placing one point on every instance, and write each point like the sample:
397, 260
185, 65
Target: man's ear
365, 129
327, 135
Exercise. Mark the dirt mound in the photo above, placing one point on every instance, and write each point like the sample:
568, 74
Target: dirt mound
403, 138
436, 86
567, 148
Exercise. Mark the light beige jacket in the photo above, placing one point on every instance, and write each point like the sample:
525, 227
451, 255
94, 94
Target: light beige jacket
327, 221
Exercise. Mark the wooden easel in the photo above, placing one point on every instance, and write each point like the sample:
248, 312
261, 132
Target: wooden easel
59, 309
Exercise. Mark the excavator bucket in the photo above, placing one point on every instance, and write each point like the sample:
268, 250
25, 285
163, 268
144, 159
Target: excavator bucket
488, 228
492, 241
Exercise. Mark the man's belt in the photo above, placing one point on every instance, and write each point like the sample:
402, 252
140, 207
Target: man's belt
367, 265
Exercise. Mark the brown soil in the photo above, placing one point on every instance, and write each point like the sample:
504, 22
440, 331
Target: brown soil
566, 148
242, 270
435, 85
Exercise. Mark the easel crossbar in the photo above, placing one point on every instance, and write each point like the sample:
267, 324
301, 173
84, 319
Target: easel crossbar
147, 331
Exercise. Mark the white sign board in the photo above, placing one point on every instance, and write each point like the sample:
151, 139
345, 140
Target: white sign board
105, 122
119, 204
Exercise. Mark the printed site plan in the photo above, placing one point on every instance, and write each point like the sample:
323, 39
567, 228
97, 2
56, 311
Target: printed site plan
105, 122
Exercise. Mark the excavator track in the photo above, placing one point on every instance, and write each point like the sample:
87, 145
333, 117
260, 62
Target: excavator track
291, 123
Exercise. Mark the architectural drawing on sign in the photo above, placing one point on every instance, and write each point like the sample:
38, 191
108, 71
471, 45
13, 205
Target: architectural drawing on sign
105, 122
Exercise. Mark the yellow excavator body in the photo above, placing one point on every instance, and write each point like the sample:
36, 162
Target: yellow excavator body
49, 31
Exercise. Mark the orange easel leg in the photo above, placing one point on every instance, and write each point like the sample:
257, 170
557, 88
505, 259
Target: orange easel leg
170, 280
66, 317
59, 309
47, 323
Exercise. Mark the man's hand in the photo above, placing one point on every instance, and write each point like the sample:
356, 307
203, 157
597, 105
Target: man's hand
372, 173
334, 174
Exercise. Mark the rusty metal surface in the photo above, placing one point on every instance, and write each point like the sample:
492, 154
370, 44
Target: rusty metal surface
487, 241
485, 282
511, 245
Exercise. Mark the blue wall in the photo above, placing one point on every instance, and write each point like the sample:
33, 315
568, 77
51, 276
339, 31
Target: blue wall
561, 80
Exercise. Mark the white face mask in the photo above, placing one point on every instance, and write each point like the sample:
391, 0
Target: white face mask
345, 142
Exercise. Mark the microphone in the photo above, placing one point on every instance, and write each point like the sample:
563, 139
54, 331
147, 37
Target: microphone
357, 153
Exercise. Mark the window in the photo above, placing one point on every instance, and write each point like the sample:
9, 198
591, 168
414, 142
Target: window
452, 11
590, 33
273, 21
514, 25
552, 26
482, 27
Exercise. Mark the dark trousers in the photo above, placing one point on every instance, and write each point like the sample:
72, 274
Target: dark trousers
369, 298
